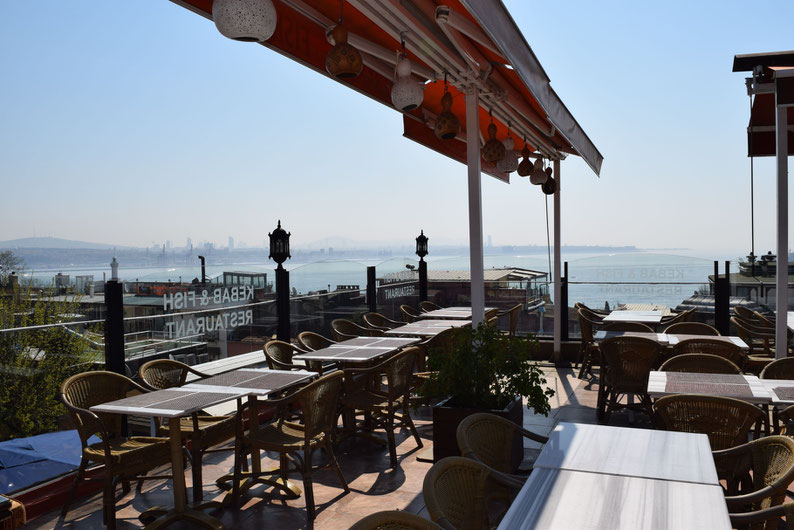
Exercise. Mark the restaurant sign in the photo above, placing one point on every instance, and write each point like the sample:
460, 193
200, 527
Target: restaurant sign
208, 299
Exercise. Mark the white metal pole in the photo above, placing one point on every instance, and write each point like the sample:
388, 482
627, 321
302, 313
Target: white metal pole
781, 280
558, 323
475, 205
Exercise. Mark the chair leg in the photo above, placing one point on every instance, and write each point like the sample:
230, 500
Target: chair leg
109, 503
390, 436
195, 465
332, 458
139, 486
308, 491
77, 479
410, 422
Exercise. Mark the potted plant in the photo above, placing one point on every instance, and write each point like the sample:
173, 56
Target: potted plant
483, 371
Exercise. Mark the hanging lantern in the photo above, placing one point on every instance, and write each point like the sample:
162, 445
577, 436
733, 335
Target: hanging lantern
549, 171
525, 167
279, 245
447, 124
245, 20
406, 94
493, 150
343, 61
550, 186
421, 245
509, 162
537, 175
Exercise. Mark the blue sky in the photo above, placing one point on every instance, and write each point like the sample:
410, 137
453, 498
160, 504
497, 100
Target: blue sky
132, 123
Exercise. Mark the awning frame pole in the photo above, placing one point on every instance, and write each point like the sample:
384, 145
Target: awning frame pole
781, 275
475, 205
557, 268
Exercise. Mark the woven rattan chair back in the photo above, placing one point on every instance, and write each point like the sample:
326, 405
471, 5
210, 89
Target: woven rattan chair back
398, 370
514, 312
490, 439
779, 369
409, 313
318, 401
459, 492
591, 313
629, 361
627, 326
701, 363
677, 318
94, 388
587, 325
691, 328
381, 322
163, 373
721, 348
314, 341
427, 306
279, 354
394, 520
745, 313
764, 320
727, 422
344, 329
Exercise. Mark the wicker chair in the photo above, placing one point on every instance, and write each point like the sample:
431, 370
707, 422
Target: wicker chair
600, 313
513, 313
461, 494
727, 422
295, 442
380, 322
427, 306
202, 431
701, 363
760, 472
396, 520
720, 348
124, 459
380, 404
757, 337
344, 329
747, 314
626, 363
311, 341
589, 349
766, 519
278, 355
676, 318
491, 440
765, 320
409, 314
691, 328
779, 369
638, 327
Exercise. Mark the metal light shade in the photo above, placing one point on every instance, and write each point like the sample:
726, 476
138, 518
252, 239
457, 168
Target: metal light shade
537, 175
245, 20
493, 150
447, 124
279, 245
525, 167
421, 245
406, 94
509, 162
550, 186
343, 61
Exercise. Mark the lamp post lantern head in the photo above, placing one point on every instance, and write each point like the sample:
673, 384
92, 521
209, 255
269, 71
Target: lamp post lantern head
114, 269
421, 245
279, 245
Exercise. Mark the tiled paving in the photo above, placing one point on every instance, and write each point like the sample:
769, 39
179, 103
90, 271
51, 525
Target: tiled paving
374, 486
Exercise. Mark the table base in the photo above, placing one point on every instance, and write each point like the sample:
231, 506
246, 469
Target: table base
159, 517
252, 478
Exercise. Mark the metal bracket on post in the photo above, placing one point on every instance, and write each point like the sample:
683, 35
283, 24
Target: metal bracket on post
722, 294
282, 303
372, 291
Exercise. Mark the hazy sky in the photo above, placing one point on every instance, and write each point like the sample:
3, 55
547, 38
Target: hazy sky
135, 122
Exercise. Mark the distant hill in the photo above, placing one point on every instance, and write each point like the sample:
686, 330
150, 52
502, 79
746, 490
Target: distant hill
54, 242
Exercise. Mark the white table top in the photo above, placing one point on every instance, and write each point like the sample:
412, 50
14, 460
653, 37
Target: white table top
745, 387
427, 327
644, 453
675, 339
790, 320
359, 349
251, 381
452, 313
601, 335
779, 397
562, 499
168, 403
647, 317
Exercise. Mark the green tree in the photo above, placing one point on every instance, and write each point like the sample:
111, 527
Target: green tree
34, 362
9, 262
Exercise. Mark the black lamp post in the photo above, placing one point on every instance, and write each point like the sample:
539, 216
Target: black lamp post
279, 252
203, 270
421, 251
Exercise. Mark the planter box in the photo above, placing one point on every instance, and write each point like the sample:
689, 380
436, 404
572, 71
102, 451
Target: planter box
447, 418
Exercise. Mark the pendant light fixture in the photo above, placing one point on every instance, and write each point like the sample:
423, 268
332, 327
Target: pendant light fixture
509, 162
525, 167
550, 186
406, 94
343, 61
245, 20
447, 124
537, 176
493, 150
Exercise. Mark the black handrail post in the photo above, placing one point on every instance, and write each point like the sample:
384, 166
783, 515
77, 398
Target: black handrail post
372, 292
564, 301
722, 304
422, 280
114, 327
282, 303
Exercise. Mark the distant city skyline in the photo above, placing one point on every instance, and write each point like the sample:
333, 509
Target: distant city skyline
185, 135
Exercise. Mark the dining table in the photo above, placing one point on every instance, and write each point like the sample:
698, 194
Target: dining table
737, 386
597, 476
451, 313
624, 315
426, 328
671, 339
358, 350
